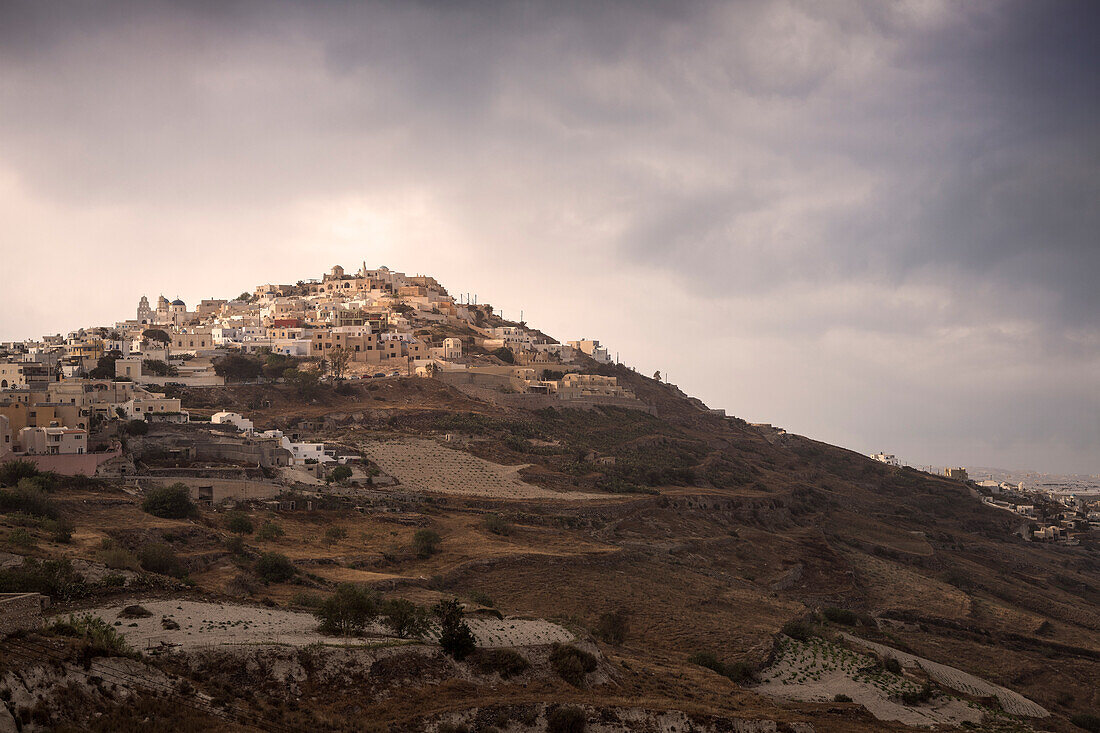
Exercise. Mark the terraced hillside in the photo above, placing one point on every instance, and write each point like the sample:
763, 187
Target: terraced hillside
688, 551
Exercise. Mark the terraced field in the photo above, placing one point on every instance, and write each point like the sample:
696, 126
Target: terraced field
425, 465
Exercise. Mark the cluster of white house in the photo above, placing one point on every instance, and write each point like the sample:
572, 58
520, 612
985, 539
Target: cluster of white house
300, 453
373, 322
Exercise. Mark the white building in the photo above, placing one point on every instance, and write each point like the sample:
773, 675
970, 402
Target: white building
233, 418
888, 458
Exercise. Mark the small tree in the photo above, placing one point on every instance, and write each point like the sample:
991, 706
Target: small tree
455, 636
157, 557
613, 627
238, 522
347, 610
269, 531
274, 567
155, 334
426, 543
404, 618
505, 354
169, 502
338, 359
341, 474
335, 534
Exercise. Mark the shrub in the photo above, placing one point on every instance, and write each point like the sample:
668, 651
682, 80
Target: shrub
890, 664
455, 636
347, 610
28, 498
235, 544
61, 530
613, 627
915, 697
404, 618
118, 558
1086, 721
426, 543
565, 719
169, 502
481, 598
137, 427
54, 578
504, 354
335, 534
497, 524
238, 522
841, 697
505, 662
100, 637
840, 616
12, 471
738, 672
269, 531
274, 567
798, 630
571, 663
307, 600
20, 537
157, 557
340, 473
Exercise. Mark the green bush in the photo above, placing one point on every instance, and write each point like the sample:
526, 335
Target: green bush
54, 578
571, 663
238, 522
273, 567
738, 672
841, 697
840, 616
28, 498
235, 544
798, 630
426, 543
270, 531
565, 719
157, 557
340, 474
118, 558
100, 637
12, 471
347, 610
915, 697
404, 618
20, 537
1086, 721
505, 662
890, 664
455, 636
335, 534
169, 502
497, 524
613, 627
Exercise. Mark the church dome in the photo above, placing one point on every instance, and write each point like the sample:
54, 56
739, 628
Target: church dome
177, 301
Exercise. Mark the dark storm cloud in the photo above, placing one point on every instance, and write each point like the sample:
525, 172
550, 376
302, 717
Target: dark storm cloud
860, 187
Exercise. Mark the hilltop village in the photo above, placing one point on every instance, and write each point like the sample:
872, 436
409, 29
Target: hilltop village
360, 503
374, 324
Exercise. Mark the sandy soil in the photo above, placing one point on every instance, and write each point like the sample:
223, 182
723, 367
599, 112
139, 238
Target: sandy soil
817, 671
205, 624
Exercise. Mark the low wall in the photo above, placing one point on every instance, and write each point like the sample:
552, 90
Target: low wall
19, 611
218, 490
529, 401
70, 464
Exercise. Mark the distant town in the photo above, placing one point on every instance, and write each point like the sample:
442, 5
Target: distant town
1052, 507
371, 324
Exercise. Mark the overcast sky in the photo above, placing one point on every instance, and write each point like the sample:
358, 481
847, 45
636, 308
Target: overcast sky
871, 223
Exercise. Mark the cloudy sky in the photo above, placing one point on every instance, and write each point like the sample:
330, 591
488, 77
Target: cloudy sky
871, 223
